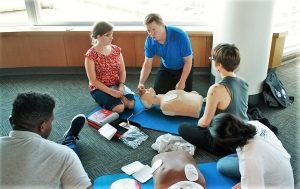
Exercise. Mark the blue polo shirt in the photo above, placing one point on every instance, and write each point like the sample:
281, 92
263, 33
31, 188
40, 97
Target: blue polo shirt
171, 53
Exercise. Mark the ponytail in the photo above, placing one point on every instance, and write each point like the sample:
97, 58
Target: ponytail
231, 132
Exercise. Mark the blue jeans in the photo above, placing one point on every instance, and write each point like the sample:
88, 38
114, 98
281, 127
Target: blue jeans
71, 143
229, 166
107, 101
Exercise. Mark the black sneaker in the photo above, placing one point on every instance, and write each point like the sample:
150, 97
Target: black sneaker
77, 124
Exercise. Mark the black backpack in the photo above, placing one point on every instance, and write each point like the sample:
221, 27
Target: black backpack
254, 113
274, 93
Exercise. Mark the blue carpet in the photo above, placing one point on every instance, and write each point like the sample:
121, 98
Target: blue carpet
154, 119
214, 180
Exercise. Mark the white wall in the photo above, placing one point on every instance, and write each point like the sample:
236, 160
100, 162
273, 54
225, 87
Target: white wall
248, 25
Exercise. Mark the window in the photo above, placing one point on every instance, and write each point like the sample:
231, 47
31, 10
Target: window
287, 18
14, 12
132, 12
122, 12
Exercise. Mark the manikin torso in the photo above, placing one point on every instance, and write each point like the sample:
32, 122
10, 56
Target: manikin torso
175, 102
173, 170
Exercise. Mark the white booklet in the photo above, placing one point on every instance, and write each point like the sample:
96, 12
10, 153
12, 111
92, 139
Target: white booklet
107, 131
141, 172
132, 167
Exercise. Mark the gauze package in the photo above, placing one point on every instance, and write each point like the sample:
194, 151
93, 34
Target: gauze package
133, 137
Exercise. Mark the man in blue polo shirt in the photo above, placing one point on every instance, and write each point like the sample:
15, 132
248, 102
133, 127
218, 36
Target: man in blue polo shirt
173, 47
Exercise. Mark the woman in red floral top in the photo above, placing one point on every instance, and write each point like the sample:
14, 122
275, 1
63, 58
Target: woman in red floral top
105, 69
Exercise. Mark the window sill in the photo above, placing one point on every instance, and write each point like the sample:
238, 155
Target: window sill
192, 29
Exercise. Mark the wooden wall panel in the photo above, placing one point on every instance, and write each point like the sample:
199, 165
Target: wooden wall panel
127, 44
15, 51
48, 49
199, 50
76, 44
139, 49
67, 48
277, 47
32, 50
209, 42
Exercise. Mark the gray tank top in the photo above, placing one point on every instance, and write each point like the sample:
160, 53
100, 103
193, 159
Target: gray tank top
238, 90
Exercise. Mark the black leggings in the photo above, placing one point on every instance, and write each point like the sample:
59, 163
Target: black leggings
167, 79
202, 138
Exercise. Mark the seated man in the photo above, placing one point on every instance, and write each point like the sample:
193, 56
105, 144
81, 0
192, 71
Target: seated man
174, 102
28, 159
178, 169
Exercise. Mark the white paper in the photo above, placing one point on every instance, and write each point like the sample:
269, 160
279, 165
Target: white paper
132, 167
144, 174
141, 172
107, 131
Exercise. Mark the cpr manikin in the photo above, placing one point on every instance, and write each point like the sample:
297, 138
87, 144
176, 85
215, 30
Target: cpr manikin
175, 102
178, 170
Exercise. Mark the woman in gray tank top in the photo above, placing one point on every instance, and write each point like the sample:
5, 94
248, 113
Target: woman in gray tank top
230, 95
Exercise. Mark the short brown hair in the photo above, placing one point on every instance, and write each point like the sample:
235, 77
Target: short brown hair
153, 17
228, 55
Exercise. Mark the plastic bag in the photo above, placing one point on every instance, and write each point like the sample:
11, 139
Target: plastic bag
168, 142
133, 137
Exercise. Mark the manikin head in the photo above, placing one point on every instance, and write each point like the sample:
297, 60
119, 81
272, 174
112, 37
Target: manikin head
149, 98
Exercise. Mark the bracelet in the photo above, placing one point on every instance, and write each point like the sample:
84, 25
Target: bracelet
121, 83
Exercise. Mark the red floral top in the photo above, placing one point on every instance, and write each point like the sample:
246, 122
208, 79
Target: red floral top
107, 67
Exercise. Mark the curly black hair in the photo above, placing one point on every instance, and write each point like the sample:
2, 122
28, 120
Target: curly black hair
30, 109
231, 132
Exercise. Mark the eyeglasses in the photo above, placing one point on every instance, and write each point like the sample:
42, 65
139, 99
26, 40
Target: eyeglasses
211, 59
108, 35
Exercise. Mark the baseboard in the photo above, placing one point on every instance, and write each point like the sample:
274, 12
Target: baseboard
41, 71
75, 71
